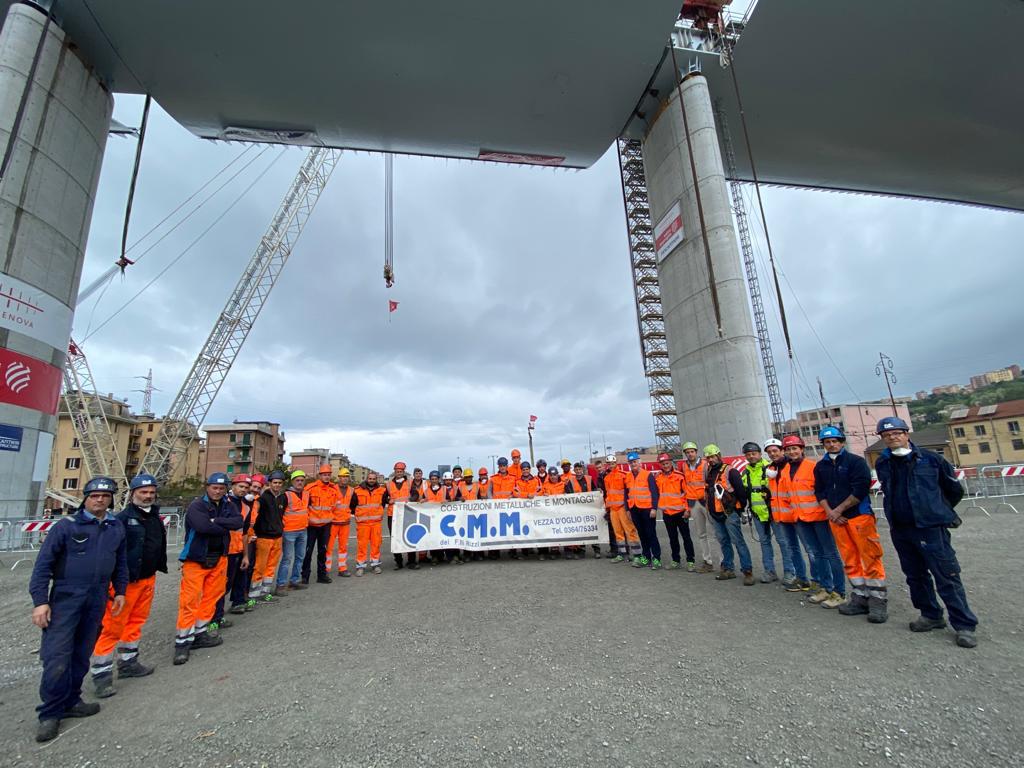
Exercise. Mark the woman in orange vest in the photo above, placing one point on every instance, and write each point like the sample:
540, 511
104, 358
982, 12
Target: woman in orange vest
368, 504
341, 526
293, 544
399, 488
672, 503
784, 516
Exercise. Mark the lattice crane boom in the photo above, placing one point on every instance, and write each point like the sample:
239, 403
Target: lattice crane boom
211, 367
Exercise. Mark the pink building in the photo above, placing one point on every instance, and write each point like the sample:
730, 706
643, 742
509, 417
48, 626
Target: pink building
858, 422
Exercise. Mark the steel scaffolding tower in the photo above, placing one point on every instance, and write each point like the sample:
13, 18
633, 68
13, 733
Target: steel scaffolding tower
193, 401
650, 320
739, 210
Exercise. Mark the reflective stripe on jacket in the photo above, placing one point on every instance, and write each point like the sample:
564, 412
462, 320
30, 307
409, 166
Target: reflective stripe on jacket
296, 514
757, 488
527, 487
800, 486
502, 486
398, 493
615, 488
638, 490
694, 480
343, 510
323, 499
671, 492
370, 504
782, 512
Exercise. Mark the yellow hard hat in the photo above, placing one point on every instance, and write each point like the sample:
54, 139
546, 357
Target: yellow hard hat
343, 472
467, 472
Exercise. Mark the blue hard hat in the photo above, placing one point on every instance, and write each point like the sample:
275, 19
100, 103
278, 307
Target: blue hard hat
892, 422
142, 481
632, 456
525, 465
502, 462
100, 485
831, 431
277, 474
218, 478
434, 473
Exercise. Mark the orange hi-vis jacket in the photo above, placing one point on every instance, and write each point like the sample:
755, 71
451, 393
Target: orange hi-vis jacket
323, 498
343, 510
549, 488
516, 470
800, 487
296, 513
431, 496
578, 487
483, 489
469, 491
502, 486
254, 513
782, 512
527, 487
638, 489
694, 480
615, 489
671, 492
236, 541
369, 504
398, 492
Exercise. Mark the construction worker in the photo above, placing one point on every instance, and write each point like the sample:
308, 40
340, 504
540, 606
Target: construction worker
783, 516
697, 510
755, 485
456, 476
580, 482
417, 478
398, 490
451, 491
566, 468
236, 552
469, 491
514, 468
269, 531
672, 503
322, 497
642, 502
542, 470
601, 469
209, 521
627, 538
417, 484
432, 492
527, 487
553, 485
725, 498
483, 485
84, 557
146, 553
293, 543
842, 485
920, 493
341, 526
242, 584
368, 504
502, 486
812, 526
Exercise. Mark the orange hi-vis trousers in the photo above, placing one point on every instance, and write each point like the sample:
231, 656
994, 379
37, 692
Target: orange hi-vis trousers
339, 539
124, 630
368, 536
626, 537
201, 590
264, 570
861, 550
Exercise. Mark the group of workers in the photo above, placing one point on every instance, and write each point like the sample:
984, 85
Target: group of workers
251, 541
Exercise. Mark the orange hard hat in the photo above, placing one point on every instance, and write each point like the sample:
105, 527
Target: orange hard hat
481, 472
399, 465
325, 468
516, 453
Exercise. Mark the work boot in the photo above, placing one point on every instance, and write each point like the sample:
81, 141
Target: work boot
250, 605
655, 564
966, 638
412, 567
206, 640
924, 624
748, 578
810, 586
635, 562
324, 580
397, 566
133, 668
82, 709
359, 571
542, 556
278, 591
857, 606
834, 600
725, 574
181, 653
768, 577
705, 567
304, 580
237, 609
794, 585
644, 562
618, 559
346, 575
104, 685
819, 597
377, 569
597, 553
878, 610
47, 729
612, 554
298, 585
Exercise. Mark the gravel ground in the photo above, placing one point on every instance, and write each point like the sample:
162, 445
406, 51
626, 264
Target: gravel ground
554, 664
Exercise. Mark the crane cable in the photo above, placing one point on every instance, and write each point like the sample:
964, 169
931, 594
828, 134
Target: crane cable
700, 204
124, 261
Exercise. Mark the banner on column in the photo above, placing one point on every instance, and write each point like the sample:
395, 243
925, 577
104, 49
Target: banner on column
549, 521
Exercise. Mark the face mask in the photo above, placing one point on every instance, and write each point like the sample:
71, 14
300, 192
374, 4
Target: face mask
901, 451
146, 509
772, 472
249, 497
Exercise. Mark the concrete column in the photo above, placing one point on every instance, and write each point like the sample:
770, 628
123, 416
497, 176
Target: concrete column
46, 199
718, 383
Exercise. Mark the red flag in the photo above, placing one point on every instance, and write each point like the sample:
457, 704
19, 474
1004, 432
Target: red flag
533, 419
392, 306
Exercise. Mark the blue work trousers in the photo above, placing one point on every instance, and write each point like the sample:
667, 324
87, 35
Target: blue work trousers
929, 562
826, 565
789, 543
647, 529
76, 614
729, 532
293, 549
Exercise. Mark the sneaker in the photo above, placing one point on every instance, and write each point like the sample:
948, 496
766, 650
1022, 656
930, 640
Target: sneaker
250, 605
810, 586
206, 640
655, 563
597, 554
412, 567
676, 565
618, 559
347, 575
324, 580
834, 600
377, 569
748, 578
237, 609
180, 653
223, 623
359, 571
690, 567
705, 568
268, 598
397, 566
790, 584
644, 562
924, 624
635, 562
768, 577
104, 685
47, 730
133, 668
279, 590
725, 575
820, 596
304, 581
81, 709
966, 638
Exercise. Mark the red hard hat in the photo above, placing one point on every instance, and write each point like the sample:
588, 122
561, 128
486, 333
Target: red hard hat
324, 468
789, 440
259, 479
482, 472
241, 479
664, 457
399, 465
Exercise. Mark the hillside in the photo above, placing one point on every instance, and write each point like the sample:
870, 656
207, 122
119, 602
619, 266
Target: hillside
931, 410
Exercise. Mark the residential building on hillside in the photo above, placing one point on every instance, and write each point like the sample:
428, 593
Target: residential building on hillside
948, 389
1009, 373
857, 420
934, 438
988, 434
243, 446
357, 472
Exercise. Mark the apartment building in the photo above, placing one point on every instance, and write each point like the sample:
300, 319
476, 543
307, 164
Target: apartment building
988, 434
857, 420
243, 446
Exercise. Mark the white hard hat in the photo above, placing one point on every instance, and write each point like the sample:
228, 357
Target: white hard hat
773, 441
610, 458
447, 476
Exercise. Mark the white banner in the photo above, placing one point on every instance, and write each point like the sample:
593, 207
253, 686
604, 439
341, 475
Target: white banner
668, 233
38, 315
552, 521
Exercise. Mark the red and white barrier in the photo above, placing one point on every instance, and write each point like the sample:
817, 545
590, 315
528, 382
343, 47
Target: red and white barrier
1016, 470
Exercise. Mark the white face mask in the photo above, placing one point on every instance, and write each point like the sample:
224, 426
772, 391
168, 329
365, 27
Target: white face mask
249, 497
901, 451
772, 472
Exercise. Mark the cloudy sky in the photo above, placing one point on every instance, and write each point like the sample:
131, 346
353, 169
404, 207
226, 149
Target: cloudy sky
515, 299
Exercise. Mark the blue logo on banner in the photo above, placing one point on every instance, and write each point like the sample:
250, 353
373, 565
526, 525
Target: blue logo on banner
415, 525
10, 437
